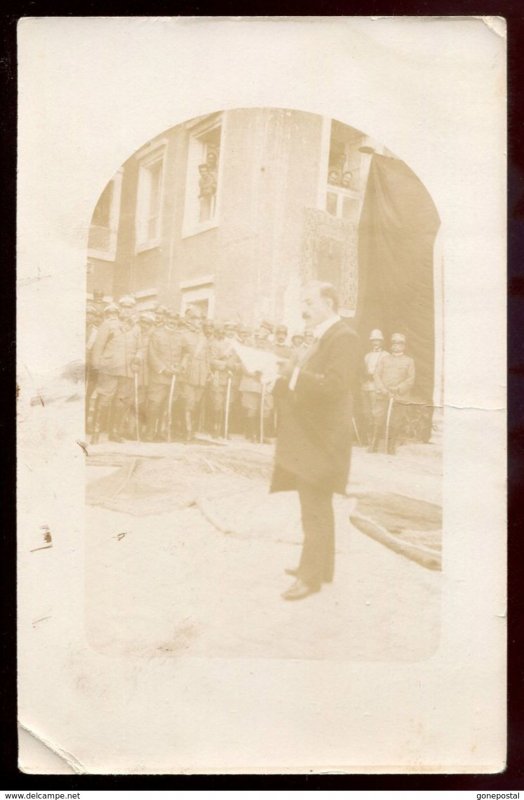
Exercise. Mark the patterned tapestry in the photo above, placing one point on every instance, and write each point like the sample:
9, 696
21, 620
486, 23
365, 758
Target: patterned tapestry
330, 253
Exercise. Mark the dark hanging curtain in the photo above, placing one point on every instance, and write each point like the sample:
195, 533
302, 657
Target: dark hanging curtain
398, 226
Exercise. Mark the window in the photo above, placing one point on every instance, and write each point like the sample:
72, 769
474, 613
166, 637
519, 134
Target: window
149, 200
203, 176
344, 189
103, 231
341, 204
199, 293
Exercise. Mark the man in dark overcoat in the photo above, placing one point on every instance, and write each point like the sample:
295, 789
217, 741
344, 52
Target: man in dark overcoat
313, 447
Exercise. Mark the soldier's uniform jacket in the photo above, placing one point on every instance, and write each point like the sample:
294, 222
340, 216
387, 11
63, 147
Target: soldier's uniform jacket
142, 354
250, 382
165, 352
283, 352
234, 362
371, 362
115, 349
395, 373
195, 358
223, 360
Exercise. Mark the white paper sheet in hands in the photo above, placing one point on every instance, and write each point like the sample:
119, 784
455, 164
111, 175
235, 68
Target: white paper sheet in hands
262, 361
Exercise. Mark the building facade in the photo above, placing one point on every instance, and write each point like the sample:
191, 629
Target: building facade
233, 211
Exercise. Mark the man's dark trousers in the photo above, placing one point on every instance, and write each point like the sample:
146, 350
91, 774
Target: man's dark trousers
317, 561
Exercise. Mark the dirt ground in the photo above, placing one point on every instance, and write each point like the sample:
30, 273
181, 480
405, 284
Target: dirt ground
173, 583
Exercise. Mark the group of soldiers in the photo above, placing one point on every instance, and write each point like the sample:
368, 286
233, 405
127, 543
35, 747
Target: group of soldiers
158, 375
388, 380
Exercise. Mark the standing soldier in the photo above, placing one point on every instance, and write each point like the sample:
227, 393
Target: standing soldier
208, 329
394, 378
195, 366
146, 326
205, 415
109, 322
115, 356
250, 389
280, 347
98, 302
244, 335
164, 357
223, 360
230, 331
265, 332
235, 408
262, 339
160, 313
371, 398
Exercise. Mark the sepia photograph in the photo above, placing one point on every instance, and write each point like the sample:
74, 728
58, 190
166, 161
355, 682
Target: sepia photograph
264, 394
261, 404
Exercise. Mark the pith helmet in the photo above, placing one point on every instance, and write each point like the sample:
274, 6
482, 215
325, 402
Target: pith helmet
376, 336
127, 301
398, 337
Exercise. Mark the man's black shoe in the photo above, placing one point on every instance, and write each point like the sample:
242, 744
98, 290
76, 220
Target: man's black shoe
299, 591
